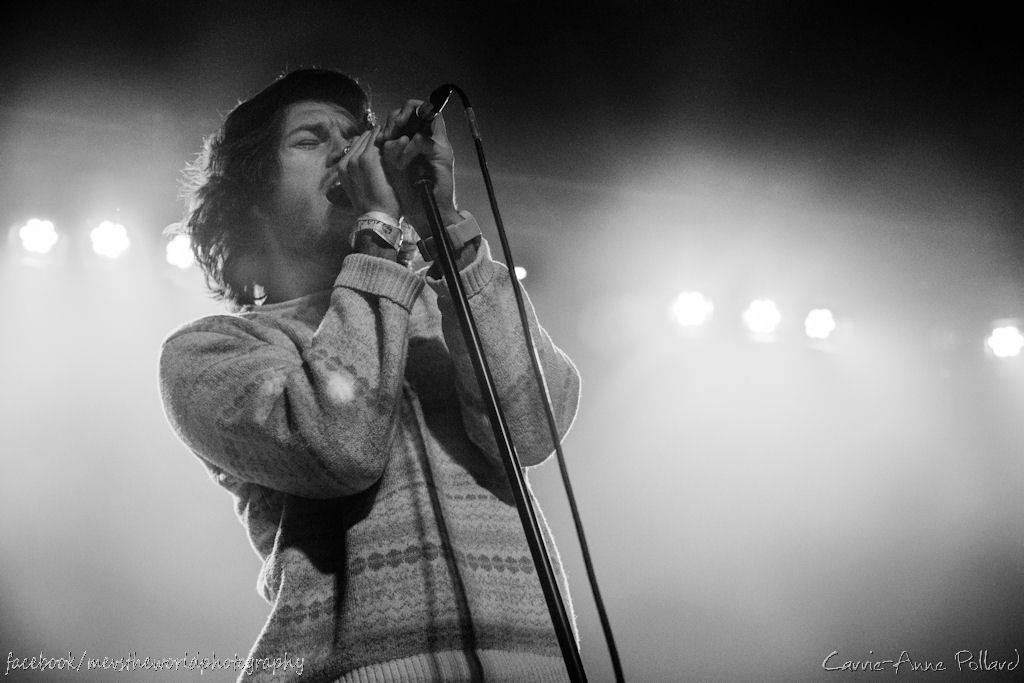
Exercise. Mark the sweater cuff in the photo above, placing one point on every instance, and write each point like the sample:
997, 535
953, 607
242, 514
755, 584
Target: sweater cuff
475, 276
380, 277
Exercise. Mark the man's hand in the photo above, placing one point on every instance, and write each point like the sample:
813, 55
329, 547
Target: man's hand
362, 177
398, 155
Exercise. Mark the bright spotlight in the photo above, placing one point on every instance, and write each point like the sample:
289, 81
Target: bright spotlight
38, 236
109, 239
520, 273
179, 252
819, 323
691, 309
1005, 342
762, 316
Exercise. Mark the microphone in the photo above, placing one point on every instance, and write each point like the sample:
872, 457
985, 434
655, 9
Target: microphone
427, 111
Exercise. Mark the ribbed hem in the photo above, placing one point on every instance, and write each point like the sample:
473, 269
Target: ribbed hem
380, 277
475, 276
454, 665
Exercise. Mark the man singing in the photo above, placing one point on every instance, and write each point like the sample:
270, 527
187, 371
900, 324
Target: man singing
338, 406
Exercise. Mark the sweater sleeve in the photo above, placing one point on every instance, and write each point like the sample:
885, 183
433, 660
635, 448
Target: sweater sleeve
492, 302
315, 420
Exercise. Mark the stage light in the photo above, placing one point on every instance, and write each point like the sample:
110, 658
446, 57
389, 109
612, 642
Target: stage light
520, 273
179, 252
819, 323
1005, 342
109, 239
691, 309
762, 316
38, 236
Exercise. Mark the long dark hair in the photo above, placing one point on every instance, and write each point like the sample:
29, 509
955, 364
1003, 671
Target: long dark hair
238, 166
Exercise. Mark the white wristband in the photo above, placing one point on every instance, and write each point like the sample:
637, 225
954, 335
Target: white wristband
380, 223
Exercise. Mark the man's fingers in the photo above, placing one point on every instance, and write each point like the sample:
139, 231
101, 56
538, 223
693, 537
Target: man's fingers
408, 108
363, 176
361, 144
415, 148
423, 145
389, 124
368, 154
350, 155
393, 151
346, 155
364, 153
398, 118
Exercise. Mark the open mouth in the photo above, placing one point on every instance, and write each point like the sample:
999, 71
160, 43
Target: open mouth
336, 195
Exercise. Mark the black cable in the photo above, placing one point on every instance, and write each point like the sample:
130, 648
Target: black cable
539, 372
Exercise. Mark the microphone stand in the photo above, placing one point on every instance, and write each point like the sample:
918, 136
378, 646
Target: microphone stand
446, 255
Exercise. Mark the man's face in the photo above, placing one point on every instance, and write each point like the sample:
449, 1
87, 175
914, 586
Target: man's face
313, 135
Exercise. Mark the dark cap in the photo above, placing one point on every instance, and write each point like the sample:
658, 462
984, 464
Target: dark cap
321, 85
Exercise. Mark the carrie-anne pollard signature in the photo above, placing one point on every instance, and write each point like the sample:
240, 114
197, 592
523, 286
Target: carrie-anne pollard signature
964, 660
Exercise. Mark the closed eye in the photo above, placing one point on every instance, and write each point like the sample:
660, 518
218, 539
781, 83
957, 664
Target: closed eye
311, 134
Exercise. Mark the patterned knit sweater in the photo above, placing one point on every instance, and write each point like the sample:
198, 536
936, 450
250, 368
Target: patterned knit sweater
347, 425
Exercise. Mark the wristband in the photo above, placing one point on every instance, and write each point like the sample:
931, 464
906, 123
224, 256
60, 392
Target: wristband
381, 224
407, 250
461, 234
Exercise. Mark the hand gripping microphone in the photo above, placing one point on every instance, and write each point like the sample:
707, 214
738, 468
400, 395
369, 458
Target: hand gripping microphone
419, 121
425, 113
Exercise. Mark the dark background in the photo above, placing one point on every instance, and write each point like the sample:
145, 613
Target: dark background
751, 506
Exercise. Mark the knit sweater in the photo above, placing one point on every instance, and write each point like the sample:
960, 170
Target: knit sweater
348, 426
